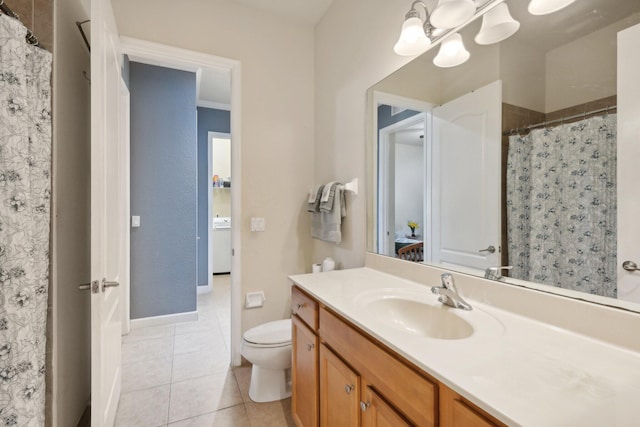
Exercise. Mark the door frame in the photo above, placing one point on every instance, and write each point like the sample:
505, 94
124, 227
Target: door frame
210, 136
188, 60
383, 98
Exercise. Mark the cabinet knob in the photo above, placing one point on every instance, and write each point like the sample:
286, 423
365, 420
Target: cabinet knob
301, 306
310, 347
348, 388
364, 406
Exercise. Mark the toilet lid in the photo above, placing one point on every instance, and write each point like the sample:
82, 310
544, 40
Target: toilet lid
277, 332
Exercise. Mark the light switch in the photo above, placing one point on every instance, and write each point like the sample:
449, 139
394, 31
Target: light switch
257, 224
135, 221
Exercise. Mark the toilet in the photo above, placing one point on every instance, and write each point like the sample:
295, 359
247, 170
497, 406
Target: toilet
268, 348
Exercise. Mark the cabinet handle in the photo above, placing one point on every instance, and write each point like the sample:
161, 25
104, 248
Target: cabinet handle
348, 388
364, 406
310, 347
301, 306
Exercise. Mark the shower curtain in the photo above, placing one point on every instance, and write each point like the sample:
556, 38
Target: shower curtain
25, 168
561, 206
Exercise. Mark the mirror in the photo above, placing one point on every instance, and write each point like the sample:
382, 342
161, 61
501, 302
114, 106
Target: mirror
557, 73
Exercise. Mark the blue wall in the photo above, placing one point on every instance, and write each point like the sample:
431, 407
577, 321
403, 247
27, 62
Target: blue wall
163, 190
386, 119
209, 120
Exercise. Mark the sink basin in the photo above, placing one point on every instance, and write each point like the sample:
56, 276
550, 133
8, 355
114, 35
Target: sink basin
419, 317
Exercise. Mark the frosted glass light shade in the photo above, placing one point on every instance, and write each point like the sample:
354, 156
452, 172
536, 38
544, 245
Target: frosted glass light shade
413, 40
544, 7
452, 52
497, 25
451, 13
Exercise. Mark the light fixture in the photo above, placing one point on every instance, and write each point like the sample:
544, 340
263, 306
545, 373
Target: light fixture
414, 37
544, 7
497, 25
452, 52
451, 13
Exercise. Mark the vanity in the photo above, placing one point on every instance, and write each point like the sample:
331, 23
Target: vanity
364, 354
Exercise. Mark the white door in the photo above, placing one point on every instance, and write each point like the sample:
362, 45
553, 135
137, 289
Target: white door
107, 215
628, 161
466, 180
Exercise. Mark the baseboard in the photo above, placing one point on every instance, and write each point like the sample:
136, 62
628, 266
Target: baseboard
145, 322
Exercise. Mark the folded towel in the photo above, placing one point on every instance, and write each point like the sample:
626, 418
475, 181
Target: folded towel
327, 205
327, 225
313, 203
327, 191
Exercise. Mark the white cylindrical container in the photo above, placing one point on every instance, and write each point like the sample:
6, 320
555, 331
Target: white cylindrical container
328, 264
316, 268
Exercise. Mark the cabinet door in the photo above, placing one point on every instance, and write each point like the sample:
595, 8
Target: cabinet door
456, 412
378, 413
339, 392
304, 375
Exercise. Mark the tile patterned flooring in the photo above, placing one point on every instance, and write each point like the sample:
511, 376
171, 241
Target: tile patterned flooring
180, 375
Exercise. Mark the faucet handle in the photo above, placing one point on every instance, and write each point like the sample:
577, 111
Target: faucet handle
447, 282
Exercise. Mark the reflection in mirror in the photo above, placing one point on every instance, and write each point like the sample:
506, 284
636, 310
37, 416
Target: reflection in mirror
508, 163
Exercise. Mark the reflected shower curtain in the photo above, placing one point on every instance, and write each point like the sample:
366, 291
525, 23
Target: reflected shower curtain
561, 206
25, 166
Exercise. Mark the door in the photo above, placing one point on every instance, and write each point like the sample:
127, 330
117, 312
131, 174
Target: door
378, 413
628, 161
304, 375
466, 180
108, 206
339, 392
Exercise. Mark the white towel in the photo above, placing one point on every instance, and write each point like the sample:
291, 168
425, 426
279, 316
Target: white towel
313, 193
326, 191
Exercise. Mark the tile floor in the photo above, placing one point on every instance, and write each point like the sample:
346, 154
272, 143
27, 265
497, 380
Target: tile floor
179, 375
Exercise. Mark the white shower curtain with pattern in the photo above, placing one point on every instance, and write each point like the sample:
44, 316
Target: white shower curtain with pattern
25, 189
561, 206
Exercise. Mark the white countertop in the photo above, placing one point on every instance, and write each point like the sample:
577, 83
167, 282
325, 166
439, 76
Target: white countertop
521, 371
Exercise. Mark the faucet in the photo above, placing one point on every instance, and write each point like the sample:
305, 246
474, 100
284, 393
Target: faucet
449, 294
493, 273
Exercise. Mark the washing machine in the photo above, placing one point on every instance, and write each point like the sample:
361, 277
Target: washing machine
221, 245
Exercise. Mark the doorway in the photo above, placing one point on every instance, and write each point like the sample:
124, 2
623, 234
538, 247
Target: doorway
175, 58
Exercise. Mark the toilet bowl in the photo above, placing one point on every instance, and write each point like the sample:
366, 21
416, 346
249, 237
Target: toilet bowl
268, 348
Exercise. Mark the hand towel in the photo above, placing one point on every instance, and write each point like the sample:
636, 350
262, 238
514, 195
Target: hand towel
327, 225
313, 203
327, 205
326, 191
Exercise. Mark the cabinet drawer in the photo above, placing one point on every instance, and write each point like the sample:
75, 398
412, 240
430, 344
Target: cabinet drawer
407, 390
304, 307
456, 411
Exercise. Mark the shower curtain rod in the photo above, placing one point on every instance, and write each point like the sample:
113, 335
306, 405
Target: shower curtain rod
560, 120
31, 38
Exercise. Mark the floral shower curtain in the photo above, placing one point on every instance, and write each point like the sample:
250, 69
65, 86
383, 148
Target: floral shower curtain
561, 206
25, 168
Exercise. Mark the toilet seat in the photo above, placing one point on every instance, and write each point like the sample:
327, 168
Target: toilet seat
270, 334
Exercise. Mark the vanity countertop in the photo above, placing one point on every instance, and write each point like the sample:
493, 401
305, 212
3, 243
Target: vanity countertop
522, 371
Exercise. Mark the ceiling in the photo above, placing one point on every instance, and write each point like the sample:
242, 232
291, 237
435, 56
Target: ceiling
307, 11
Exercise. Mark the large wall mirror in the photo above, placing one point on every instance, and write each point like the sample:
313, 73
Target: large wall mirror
508, 166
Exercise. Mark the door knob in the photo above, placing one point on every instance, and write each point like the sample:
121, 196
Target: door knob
94, 287
630, 266
491, 249
106, 284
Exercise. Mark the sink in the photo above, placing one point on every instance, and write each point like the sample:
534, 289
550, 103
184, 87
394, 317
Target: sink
416, 312
420, 318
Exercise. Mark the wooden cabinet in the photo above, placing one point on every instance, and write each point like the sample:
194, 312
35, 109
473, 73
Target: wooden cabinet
304, 375
456, 411
378, 413
342, 377
339, 392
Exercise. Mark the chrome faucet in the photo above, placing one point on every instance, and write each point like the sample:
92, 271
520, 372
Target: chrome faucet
494, 273
449, 294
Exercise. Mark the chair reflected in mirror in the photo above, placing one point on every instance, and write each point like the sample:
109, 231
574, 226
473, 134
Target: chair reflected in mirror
413, 252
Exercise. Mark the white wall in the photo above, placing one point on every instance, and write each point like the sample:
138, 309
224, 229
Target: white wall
409, 186
276, 169
71, 370
353, 51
